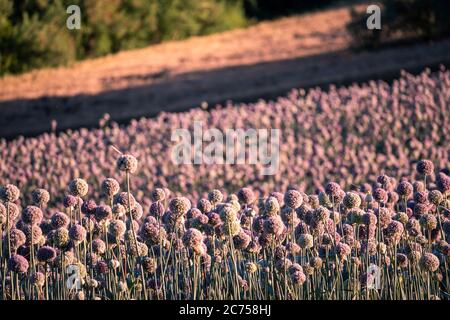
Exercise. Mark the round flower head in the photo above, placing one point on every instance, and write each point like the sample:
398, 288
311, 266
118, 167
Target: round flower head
355, 215
201, 220
60, 237
306, 241
33, 234
40, 197
369, 247
179, 206
9, 193
46, 254
405, 189
231, 228
117, 228
289, 217
295, 267
429, 262
246, 196
241, 240
352, 200
127, 162
282, 264
158, 194
69, 201
401, 217
18, 263
394, 230
392, 197
88, 207
102, 267
277, 195
321, 214
380, 195
298, 278
332, 189
369, 218
152, 233
443, 183
38, 279
293, 199
402, 260
98, 246
421, 197
232, 197
149, 264
78, 187
384, 215
342, 250
122, 198
157, 209
60, 220
413, 227
435, 197
32, 215
316, 262
215, 196
274, 225
428, 221
103, 212
193, 213
421, 209
228, 213
204, 206
271, 206
137, 212
425, 167
251, 267
17, 238
89, 224
110, 187
138, 250
385, 181
192, 238
253, 246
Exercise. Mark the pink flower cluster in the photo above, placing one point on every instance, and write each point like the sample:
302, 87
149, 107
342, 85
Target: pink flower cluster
348, 134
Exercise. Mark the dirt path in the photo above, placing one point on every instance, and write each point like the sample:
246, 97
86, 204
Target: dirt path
265, 60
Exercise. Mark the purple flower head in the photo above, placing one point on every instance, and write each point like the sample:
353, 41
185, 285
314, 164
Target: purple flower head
246, 196
32, 215
18, 263
46, 254
425, 167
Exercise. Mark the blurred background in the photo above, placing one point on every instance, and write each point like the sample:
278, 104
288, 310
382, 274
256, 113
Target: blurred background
135, 58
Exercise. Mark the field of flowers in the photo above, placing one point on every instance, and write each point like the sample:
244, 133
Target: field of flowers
355, 211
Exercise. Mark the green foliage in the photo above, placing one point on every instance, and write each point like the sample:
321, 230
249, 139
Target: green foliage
402, 20
33, 33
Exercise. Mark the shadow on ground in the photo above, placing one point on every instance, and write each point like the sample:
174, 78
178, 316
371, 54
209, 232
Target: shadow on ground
245, 83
